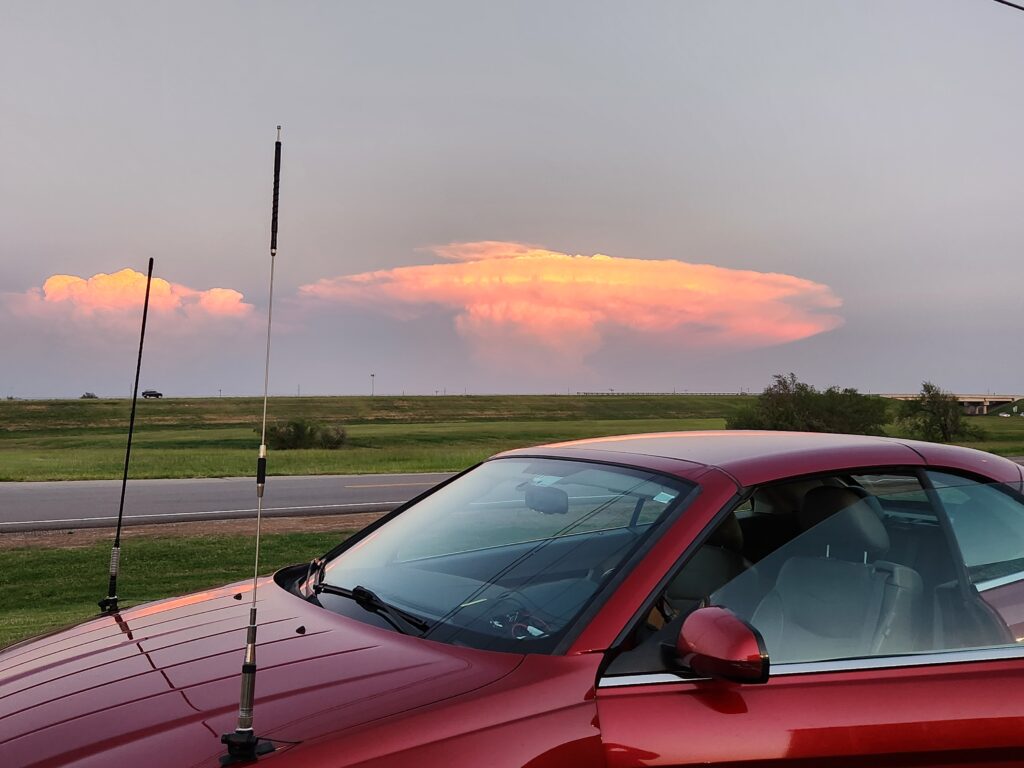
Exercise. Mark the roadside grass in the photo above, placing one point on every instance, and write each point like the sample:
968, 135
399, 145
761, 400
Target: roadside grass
228, 451
43, 589
1003, 436
216, 437
70, 440
63, 415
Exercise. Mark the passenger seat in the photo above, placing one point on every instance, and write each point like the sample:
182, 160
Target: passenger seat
834, 597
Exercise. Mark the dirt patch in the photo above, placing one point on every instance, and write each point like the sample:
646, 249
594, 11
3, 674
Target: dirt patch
86, 537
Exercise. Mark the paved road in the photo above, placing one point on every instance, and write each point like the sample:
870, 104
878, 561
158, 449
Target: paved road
93, 503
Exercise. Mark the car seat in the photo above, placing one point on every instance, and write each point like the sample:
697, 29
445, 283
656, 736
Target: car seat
834, 597
718, 561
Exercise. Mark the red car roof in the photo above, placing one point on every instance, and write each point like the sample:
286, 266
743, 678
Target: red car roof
757, 457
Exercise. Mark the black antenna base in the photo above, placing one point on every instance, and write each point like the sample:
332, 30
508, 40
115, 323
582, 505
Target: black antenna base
244, 747
108, 604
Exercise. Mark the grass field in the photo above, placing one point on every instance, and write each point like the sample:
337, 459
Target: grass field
41, 589
85, 439
215, 437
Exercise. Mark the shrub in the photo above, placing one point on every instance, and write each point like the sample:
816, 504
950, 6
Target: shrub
300, 433
89, 396
792, 405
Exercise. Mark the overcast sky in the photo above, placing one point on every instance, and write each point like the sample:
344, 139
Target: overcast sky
512, 197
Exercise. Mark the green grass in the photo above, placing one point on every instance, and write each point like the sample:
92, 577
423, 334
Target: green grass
56, 440
43, 415
85, 439
41, 589
1002, 436
215, 437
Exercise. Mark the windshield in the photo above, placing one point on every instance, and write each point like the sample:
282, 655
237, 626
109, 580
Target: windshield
506, 556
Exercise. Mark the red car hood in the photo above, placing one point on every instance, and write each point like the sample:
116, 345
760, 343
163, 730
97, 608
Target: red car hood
158, 684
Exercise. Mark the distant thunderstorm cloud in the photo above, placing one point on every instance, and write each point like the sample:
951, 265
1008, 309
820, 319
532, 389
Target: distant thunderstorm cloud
505, 293
126, 289
94, 307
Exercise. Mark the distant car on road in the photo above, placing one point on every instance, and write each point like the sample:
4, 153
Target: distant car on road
152, 393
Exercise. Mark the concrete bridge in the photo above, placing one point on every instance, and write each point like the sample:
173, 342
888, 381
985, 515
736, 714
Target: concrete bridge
975, 405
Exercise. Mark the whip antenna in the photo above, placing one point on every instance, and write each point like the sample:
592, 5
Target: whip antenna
242, 744
109, 603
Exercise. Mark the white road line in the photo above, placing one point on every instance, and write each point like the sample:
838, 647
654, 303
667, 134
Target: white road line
387, 485
197, 514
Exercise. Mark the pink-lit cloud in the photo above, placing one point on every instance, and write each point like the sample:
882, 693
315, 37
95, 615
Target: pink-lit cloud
83, 332
97, 309
517, 294
126, 290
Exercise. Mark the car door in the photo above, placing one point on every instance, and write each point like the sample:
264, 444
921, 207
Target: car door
892, 616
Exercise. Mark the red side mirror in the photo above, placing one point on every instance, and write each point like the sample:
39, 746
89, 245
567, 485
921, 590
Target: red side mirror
717, 643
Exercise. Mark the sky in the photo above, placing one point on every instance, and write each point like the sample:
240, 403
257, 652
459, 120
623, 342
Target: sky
683, 196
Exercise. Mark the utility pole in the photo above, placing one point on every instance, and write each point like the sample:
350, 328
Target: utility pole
371, 384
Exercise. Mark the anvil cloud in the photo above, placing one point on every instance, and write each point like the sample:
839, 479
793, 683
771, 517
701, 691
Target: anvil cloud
511, 293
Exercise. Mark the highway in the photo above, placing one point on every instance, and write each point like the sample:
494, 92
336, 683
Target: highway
94, 503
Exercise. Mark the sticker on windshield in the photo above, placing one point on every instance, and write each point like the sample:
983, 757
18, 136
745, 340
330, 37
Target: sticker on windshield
664, 498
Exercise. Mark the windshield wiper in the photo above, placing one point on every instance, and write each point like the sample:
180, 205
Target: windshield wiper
314, 573
404, 622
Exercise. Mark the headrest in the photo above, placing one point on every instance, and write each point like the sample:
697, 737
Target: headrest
708, 569
824, 501
728, 534
850, 532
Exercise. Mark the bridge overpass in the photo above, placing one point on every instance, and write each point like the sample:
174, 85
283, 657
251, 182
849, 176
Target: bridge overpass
975, 405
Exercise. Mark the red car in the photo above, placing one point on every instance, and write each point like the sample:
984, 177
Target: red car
672, 599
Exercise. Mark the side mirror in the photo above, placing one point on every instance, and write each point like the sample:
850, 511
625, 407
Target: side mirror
716, 643
547, 500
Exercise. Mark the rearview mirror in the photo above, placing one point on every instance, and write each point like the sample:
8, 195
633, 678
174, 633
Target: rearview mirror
716, 643
547, 500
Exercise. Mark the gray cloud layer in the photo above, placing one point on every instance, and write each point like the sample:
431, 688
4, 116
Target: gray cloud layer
870, 147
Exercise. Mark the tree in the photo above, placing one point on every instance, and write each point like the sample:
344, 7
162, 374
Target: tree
792, 405
937, 416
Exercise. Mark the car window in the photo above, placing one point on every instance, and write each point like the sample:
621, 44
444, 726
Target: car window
497, 510
506, 556
988, 523
864, 565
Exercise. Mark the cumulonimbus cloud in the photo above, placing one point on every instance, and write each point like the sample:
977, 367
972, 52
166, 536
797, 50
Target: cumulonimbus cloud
82, 333
505, 292
107, 298
106, 308
126, 289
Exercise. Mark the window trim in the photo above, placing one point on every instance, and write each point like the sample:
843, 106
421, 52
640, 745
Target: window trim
1002, 581
909, 661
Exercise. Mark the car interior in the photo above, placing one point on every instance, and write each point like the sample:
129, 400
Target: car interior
835, 567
